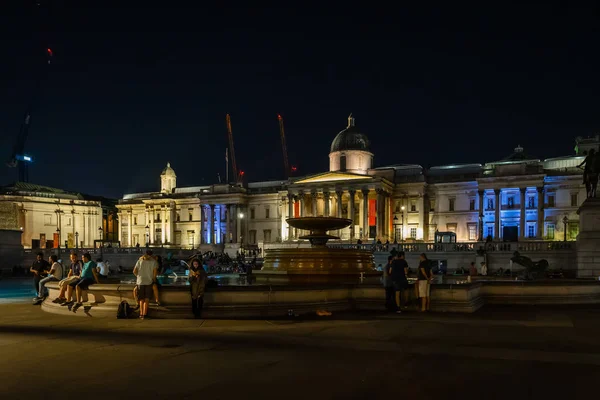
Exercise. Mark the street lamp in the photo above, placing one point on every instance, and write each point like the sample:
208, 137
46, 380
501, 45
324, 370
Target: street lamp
395, 229
58, 235
402, 231
100, 231
565, 222
241, 216
480, 227
147, 236
76, 240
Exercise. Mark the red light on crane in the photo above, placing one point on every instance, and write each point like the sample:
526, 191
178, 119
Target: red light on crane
294, 168
49, 50
241, 173
279, 116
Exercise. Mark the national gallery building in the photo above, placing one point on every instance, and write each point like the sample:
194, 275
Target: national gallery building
515, 199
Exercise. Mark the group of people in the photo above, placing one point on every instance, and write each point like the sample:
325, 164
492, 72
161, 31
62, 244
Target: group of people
395, 282
82, 274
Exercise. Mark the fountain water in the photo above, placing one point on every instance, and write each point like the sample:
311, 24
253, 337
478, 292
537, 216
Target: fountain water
320, 263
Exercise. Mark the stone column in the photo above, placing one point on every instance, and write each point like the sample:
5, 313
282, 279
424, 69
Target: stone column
386, 214
365, 221
171, 238
339, 194
120, 215
202, 224
129, 228
523, 217
481, 194
326, 204
152, 229
422, 215
228, 223
234, 223
540, 213
351, 200
146, 216
379, 213
301, 200
163, 225
290, 215
313, 198
211, 226
497, 206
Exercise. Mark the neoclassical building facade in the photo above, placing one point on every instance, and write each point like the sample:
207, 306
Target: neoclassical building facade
518, 198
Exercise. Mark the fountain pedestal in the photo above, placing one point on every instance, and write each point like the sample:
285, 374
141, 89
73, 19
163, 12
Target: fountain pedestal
320, 264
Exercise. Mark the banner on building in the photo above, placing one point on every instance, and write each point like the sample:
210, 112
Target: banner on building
372, 212
297, 209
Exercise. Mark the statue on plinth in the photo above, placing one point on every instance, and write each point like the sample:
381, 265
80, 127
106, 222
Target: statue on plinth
533, 269
591, 169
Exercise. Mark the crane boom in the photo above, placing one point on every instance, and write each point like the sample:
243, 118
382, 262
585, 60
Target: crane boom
231, 149
286, 164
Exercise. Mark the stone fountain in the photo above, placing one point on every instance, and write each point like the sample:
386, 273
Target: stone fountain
320, 263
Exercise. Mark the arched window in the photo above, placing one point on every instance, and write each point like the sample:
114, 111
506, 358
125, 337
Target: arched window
343, 162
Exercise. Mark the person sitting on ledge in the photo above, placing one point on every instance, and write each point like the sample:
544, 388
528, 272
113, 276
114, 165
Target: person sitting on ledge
73, 276
55, 274
40, 269
89, 276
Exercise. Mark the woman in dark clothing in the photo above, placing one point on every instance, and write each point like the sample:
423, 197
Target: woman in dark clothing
197, 281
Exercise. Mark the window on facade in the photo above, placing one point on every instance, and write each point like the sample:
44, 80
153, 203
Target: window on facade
531, 231
550, 200
267, 213
157, 217
397, 208
342, 162
135, 220
252, 212
252, 239
490, 204
432, 205
451, 204
267, 235
431, 236
573, 230
573, 199
531, 202
451, 227
413, 205
472, 228
47, 219
177, 217
510, 202
413, 232
490, 232
69, 221
550, 231
472, 204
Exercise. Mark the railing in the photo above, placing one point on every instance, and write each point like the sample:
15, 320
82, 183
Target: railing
112, 250
461, 247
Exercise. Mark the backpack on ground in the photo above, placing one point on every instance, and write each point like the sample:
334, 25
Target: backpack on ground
124, 310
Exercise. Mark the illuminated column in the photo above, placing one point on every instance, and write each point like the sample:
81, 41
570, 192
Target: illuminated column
171, 225
290, 215
365, 207
540, 213
238, 223
301, 199
497, 214
313, 204
129, 228
326, 210
339, 194
163, 225
522, 219
228, 223
202, 224
481, 194
120, 226
219, 215
351, 200
211, 225
422, 215
152, 229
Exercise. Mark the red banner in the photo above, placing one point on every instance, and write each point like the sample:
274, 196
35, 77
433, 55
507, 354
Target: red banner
372, 212
296, 209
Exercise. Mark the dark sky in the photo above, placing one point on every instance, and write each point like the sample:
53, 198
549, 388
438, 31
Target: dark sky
132, 88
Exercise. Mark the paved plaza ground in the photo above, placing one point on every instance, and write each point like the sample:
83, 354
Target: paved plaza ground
497, 353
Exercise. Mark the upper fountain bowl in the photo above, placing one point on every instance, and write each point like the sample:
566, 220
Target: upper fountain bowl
319, 224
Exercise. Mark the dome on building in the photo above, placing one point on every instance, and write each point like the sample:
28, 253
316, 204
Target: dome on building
350, 139
519, 155
168, 170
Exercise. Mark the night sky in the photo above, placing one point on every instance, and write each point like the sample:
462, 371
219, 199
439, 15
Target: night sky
132, 88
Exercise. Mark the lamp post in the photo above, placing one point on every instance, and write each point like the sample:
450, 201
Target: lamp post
101, 232
565, 222
76, 240
241, 217
395, 229
58, 234
147, 236
480, 227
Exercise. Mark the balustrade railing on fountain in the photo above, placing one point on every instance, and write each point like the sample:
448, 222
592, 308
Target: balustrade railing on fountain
425, 247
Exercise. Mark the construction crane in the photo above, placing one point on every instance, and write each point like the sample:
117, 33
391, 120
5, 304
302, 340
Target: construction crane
286, 163
238, 176
18, 158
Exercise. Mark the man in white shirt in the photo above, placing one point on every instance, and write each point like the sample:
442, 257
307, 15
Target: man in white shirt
55, 274
145, 271
102, 268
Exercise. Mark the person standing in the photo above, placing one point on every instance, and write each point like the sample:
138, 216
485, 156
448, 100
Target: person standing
55, 274
484, 270
197, 281
145, 271
424, 278
388, 285
399, 270
40, 269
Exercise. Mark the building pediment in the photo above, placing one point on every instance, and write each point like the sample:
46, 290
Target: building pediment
333, 177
